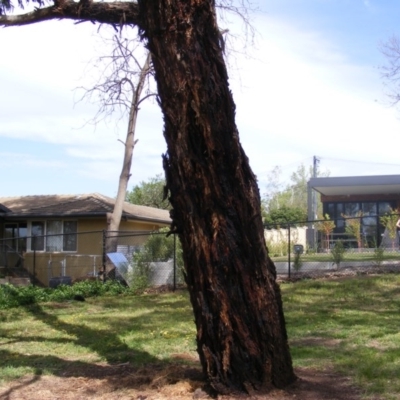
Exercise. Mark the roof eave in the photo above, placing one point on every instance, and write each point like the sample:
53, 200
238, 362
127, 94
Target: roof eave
82, 215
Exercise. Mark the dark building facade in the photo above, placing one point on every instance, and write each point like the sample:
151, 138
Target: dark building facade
364, 197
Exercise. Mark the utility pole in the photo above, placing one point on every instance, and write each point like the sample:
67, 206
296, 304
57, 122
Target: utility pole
314, 195
314, 206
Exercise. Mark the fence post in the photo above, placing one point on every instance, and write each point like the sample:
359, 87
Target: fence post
104, 254
6, 260
289, 261
34, 259
174, 262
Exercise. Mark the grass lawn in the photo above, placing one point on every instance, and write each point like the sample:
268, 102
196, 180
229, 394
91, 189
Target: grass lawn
350, 325
51, 337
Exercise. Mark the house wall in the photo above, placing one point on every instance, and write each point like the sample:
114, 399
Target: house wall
276, 236
88, 259
43, 266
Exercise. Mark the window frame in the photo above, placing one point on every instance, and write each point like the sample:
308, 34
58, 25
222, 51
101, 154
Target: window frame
18, 238
46, 237
374, 230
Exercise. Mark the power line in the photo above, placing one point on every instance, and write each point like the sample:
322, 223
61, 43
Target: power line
360, 162
284, 167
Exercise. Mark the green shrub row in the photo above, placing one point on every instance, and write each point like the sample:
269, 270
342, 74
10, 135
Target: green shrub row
12, 296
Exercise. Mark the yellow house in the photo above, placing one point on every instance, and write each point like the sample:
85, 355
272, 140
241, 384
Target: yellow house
57, 235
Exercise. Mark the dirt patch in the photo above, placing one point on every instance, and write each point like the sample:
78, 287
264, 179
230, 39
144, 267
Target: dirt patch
341, 273
159, 382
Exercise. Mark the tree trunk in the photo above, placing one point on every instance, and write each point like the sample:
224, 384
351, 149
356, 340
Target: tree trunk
241, 334
114, 218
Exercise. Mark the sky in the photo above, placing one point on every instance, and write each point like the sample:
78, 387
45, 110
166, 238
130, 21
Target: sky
309, 86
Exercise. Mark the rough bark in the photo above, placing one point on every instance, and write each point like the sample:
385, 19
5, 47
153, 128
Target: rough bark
241, 334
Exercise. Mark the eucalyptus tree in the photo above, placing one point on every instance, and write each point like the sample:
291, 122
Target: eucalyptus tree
241, 334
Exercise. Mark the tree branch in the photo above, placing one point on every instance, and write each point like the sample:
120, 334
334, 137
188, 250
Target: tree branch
115, 13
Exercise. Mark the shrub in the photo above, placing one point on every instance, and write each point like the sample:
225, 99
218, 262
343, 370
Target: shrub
277, 248
297, 264
389, 221
158, 247
11, 296
337, 253
379, 256
353, 227
326, 226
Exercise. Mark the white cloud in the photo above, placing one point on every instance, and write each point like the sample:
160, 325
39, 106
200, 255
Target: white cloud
304, 97
301, 95
13, 160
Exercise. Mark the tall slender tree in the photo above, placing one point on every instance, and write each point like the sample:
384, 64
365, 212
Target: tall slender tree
122, 86
241, 333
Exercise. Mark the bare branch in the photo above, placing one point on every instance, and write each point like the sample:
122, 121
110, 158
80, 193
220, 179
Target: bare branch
391, 71
242, 10
146, 97
114, 13
120, 71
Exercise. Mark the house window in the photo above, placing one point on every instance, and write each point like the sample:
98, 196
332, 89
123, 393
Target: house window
15, 235
385, 207
340, 225
37, 232
371, 227
70, 238
54, 235
351, 209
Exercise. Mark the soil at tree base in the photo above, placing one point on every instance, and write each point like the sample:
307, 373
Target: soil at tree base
159, 382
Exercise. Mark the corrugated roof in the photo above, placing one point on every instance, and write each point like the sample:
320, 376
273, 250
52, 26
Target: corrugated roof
93, 204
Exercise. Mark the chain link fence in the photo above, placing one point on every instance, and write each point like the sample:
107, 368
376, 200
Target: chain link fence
155, 259
358, 244
152, 259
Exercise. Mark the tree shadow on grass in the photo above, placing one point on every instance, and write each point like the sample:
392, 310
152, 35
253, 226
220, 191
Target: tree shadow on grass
8, 393
120, 360
56, 375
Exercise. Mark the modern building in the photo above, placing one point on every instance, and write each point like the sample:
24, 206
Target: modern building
352, 196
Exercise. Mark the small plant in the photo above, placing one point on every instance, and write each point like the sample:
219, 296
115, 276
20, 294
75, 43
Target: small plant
158, 248
379, 256
277, 243
389, 221
326, 226
311, 249
353, 227
337, 253
297, 263
276, 249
